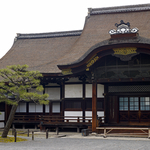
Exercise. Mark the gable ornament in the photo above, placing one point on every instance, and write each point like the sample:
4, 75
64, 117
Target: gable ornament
123, 28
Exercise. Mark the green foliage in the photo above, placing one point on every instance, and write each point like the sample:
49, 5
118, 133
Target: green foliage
16, 80
11, 139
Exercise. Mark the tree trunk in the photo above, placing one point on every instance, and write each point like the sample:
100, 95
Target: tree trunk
9, 121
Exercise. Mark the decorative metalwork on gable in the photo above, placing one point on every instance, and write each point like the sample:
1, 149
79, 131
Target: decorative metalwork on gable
67, 71
123, 28
91, 61
125, 53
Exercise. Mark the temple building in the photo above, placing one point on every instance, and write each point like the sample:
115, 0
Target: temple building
98, 76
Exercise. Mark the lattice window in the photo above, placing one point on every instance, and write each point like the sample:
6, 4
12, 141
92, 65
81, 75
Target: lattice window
134, 103
145, 103
132, 88
123, 103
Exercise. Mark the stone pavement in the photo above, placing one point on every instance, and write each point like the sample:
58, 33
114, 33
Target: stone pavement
75, 141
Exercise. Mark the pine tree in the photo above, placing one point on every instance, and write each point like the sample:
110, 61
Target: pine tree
15, 83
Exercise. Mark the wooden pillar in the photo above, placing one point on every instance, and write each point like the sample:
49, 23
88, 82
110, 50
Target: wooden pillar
106, 104
94, 106
83, 102
62, 95
44, 105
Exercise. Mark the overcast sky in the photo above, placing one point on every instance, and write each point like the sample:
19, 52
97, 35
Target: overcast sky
38, 16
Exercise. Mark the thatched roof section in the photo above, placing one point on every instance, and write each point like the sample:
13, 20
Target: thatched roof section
40, 51
101, 21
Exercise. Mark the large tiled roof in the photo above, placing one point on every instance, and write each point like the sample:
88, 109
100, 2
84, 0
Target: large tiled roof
45, 51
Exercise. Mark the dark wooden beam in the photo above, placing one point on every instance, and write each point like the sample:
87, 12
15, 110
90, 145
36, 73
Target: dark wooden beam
94, 106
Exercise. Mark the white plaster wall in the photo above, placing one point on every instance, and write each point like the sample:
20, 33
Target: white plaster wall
100, 90
88, 90
47, 108
56, 107
21, 107
73, 90
100, 113
89, 114
1, 124
2, 115
35, 108
76, 114
54, 93
38, 108
31, 107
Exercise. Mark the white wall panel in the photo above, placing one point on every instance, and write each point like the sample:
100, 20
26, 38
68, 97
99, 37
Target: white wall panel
88, 90
31, 107
21, 107
100, 90
35, 108
73, 91
56, 108
100, 113
89, 114
54, 93
38, 108
2, 116
47, 108
76, 114
1, 124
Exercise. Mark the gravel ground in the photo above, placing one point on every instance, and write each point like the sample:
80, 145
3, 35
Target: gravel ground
75, 141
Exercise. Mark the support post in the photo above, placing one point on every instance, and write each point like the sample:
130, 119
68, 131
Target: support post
28, 133
15, 136
47, 134
104, 132
32, 135
78, 130
57, 130
94, 106
13, 131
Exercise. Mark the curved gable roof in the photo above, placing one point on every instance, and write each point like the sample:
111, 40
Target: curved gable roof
100, 21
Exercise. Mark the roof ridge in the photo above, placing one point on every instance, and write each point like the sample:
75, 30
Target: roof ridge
49, 34
119, 9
